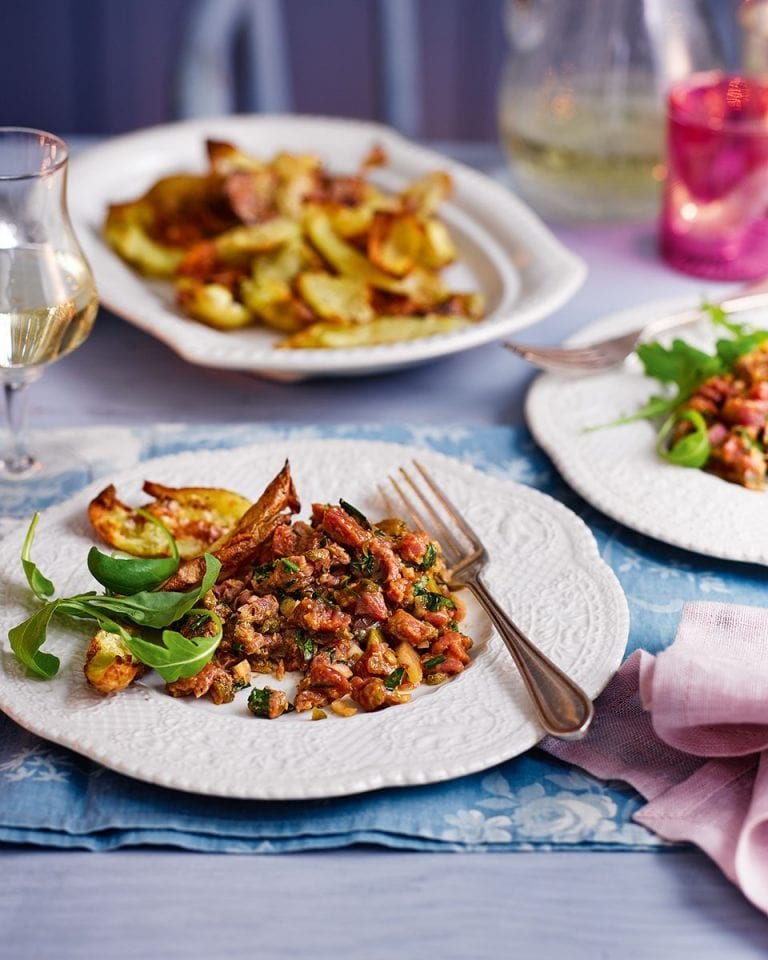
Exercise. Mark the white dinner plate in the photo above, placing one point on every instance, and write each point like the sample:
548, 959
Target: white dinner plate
618, 471
544, 568
505, 251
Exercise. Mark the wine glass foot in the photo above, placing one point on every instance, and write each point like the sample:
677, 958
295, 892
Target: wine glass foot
33, 482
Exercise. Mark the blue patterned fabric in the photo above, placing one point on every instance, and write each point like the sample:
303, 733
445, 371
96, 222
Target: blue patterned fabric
52, 797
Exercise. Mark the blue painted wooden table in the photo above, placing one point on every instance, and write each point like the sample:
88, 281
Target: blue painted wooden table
142, 904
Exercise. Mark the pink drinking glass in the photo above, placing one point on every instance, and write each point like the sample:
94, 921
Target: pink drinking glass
714, 220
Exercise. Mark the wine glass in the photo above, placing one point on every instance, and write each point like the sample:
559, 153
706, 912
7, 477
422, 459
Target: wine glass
48, 296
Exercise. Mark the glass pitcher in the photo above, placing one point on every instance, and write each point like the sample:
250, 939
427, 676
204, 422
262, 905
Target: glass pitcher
582, 99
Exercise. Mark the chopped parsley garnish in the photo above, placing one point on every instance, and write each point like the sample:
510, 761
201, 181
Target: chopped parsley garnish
395, 678
261, 573
196, 623
432, 601
430, 557
258, 701
306, 644
365, 565
355, 514
434, 661
290, 565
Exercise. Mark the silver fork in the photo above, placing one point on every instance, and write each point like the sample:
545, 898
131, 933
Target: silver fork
562, 707
611, 352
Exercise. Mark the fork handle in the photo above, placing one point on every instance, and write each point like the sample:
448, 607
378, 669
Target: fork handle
563, 708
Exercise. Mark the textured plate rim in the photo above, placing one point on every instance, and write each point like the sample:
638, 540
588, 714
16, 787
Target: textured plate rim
575, 471
369, 779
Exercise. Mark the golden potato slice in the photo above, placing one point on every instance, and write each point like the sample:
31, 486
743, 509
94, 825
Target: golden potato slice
197, 517
124, 529
379, 331
394, 242
225, 158
212, 304
274, 303
288, 166
438, 248
350, 222
243, 242
424, 289
470, 305
425, 195
109, 664
297, 179
280, 266
126, 231
342, 256
338, 299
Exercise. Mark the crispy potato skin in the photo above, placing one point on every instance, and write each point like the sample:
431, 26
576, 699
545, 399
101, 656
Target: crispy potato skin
275, 506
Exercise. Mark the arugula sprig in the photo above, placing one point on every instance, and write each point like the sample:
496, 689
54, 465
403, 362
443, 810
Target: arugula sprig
682, 368
132, 574
174, 656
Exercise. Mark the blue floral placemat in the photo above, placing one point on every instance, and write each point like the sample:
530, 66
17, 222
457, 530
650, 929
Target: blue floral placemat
53, 797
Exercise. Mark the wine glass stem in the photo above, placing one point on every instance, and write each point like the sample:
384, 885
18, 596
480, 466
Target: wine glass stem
18, 459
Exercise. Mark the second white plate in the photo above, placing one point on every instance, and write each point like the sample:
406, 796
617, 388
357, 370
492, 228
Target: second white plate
505, 251
618, 471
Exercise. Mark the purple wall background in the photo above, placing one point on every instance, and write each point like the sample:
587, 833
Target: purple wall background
106, 66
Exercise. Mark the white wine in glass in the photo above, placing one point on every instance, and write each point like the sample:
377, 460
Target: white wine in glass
48, 298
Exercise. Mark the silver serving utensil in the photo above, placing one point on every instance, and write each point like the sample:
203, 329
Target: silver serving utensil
604, 354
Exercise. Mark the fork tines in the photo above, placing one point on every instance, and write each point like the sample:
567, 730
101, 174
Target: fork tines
435, 520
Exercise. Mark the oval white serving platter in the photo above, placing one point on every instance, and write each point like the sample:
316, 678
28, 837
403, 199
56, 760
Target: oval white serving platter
505, 251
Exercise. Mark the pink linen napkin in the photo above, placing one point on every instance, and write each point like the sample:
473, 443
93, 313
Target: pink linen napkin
689, 730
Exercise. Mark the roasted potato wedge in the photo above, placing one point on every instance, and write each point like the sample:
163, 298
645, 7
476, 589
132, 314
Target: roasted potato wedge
337, 299
126, 230
297, 179
275, 506
342, 256
284, 264
212, 304
197, 517
242, 243
275, 305
122, 528
424, 196
378, 331
109, 665
225, 158
438, 248
394, 242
